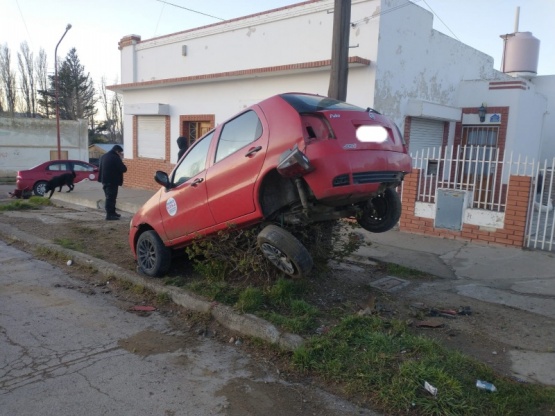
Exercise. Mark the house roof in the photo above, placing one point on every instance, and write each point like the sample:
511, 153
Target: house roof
104, 146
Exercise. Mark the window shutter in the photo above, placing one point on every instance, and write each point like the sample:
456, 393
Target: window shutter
151, 136
425, 134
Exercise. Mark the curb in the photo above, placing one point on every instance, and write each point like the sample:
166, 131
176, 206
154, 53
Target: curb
245, 324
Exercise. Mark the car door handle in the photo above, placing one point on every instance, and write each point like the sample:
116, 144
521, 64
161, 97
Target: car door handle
253, 151
197, 181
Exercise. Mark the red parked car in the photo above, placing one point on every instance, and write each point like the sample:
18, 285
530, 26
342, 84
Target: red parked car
291, 159
35, 178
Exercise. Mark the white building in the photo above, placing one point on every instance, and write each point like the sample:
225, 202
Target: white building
430, 84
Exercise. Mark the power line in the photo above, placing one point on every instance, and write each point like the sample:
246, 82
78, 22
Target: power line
444, 24
190, 10
22, 18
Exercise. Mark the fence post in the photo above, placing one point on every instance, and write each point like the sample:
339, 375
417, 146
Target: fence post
518, 201
408, 199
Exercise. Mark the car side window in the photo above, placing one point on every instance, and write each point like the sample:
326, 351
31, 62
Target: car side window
57, 166
194, 161
81, 168
238, 133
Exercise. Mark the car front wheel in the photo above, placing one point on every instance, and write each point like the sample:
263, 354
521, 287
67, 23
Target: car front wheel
39, 188
381, 213
153, 257
284, 251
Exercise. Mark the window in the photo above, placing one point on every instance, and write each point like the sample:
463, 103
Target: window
479, 147
238, 133
151, 136
58, 166
79, 167
194, 162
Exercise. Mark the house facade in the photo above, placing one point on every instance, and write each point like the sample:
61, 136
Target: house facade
442, 93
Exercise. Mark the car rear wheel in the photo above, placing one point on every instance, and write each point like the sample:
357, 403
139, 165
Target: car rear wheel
381, 213
153, 257
284, 251
39, 188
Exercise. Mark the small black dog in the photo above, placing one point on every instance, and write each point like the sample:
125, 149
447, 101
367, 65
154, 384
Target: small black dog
59, 181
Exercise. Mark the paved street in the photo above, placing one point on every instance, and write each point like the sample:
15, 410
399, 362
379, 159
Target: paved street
69, 348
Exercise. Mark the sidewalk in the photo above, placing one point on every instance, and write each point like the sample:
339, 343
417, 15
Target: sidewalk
517, 278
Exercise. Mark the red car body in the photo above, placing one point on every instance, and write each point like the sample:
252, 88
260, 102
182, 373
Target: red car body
35, 179
291, 158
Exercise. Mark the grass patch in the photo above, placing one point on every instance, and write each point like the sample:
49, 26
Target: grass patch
405, 272
380, 361
69, 244
35, 202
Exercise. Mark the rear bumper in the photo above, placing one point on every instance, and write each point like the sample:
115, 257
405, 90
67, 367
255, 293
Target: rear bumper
355, 175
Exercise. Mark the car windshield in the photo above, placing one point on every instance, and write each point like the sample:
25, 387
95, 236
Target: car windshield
304, 103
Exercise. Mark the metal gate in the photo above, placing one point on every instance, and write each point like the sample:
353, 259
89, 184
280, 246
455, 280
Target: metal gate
541, 215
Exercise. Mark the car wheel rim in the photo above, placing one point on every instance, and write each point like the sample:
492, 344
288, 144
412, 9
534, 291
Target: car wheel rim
146, 255
41, 189
277, 258
378, 208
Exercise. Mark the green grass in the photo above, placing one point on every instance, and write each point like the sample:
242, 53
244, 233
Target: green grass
380, 361
69, 244
405, 272
35, 202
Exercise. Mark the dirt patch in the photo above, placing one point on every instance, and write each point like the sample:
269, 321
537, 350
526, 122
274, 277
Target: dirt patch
487, 334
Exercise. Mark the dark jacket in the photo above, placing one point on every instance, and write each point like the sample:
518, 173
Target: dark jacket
111, 169
182, 144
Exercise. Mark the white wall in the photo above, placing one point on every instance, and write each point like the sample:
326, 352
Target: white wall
546, 86
417, 62
526, 113
25, 143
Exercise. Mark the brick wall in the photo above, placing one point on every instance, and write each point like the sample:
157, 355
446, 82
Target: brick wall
141, 170
512, 233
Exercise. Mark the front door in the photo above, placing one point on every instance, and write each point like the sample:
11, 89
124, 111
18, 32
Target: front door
183, 208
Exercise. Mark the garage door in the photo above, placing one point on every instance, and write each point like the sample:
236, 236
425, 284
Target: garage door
425, 134
151, 136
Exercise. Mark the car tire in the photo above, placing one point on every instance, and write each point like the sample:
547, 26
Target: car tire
381, 213
153, 257
285, 251
39, 188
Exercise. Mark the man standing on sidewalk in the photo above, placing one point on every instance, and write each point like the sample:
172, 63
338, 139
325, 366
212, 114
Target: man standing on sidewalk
110, 174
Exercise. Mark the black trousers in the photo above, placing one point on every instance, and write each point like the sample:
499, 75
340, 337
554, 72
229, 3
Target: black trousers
111, 194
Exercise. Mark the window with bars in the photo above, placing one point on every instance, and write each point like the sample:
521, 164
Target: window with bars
480, 144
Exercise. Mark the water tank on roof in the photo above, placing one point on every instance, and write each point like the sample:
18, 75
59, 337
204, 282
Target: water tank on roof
521, 54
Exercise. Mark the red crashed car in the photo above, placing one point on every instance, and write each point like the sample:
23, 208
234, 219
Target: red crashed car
291, 159
35, 179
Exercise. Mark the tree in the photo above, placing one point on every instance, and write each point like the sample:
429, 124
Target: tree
76, 93
41, 65
27, 78
7, 79
113, 109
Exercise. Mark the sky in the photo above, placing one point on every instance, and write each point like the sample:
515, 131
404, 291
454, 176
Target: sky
98, 25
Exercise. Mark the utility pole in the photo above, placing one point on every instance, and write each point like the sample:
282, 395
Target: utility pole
340, 49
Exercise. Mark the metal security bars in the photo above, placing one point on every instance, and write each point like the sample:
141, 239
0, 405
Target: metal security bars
484, 172
541, 222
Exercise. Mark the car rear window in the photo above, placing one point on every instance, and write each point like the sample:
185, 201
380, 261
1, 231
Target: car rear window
304, 103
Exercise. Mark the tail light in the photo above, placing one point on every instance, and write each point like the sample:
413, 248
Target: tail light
294, 163
316, 127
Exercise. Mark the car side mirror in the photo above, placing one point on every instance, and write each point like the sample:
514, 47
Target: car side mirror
163, 179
